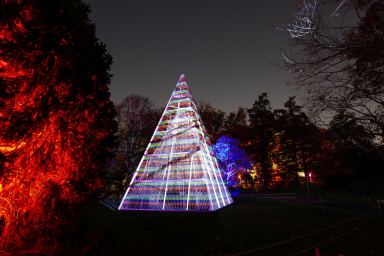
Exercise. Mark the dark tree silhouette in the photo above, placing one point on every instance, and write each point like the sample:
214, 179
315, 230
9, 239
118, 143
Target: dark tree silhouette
236, 124
56, 121
262, 129
213, 119
350, 152
298, 139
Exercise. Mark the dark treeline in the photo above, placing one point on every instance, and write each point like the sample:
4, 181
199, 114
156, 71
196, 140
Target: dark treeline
287, 150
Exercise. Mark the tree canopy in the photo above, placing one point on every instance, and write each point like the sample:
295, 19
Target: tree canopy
56, 121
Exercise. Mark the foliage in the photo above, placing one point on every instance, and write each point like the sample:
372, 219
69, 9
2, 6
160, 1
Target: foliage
348, 151
213, 119
56, 121
236, 124
262, 132
297, 143
233, 159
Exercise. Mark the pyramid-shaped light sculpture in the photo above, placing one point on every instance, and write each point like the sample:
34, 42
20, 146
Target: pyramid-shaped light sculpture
179, 171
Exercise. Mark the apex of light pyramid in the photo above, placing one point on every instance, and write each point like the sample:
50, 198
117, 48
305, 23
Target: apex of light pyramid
182, 83
182, 79
182, 86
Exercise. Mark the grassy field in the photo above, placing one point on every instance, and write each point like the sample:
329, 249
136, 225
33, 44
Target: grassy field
247, 224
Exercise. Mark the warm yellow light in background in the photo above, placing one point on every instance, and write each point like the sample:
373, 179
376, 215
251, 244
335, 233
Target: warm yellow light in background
301, 174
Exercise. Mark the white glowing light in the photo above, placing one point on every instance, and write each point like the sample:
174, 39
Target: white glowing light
336, 11
304, 23
290, 63
178, 171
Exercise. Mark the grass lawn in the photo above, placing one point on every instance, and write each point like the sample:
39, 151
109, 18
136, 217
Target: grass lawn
247, 224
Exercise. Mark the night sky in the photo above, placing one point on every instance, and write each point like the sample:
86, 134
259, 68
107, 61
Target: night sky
228, 50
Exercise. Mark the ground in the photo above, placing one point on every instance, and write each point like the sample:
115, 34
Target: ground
242, 227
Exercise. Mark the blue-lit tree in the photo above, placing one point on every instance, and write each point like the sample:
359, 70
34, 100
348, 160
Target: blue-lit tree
233, 159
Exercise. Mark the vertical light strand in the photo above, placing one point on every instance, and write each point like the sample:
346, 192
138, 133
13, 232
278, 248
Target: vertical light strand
227, 196
189, 180
169, 171
141, 189
211, 182
214, 173
169, 164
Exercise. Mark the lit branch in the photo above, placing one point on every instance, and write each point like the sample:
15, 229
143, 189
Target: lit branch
304, 23
336, 11
290, 63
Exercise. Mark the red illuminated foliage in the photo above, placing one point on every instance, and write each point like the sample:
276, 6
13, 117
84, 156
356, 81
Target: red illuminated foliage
56, 120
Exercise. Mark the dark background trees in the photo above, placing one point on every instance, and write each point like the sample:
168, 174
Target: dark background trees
287, 149
262, 126
56, 122
350, 154
213, 119
236, 124
298, 141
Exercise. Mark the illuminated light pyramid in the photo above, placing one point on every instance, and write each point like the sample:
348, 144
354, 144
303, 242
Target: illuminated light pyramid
178, 171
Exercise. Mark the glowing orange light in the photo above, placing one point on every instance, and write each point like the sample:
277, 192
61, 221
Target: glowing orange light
7, 149
3, 63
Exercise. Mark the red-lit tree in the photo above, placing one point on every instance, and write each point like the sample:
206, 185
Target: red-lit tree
56, 120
